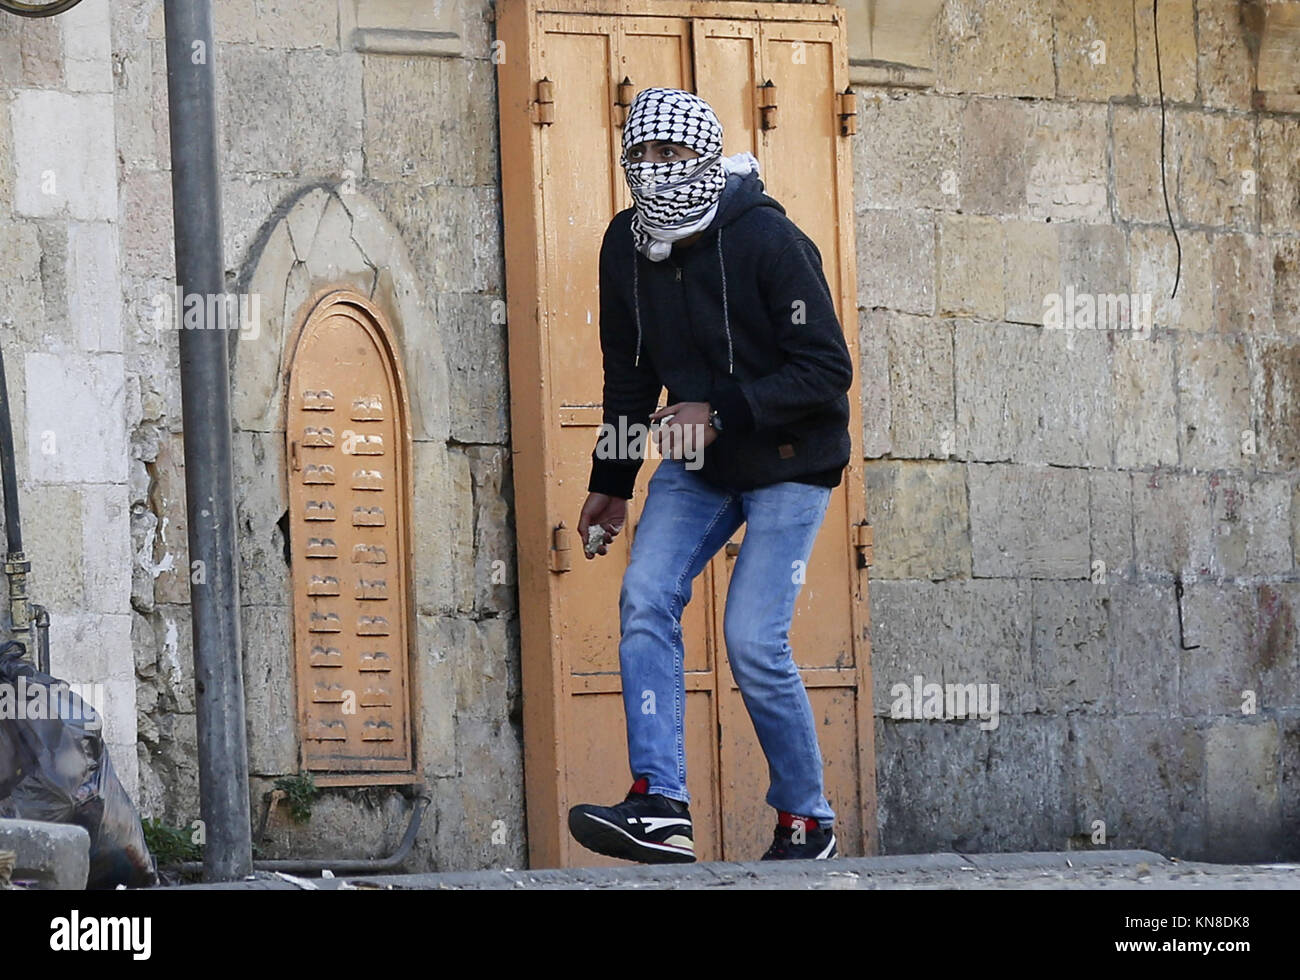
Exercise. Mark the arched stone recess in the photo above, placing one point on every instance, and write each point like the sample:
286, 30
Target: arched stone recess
325, 239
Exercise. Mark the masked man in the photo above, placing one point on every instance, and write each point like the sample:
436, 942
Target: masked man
709, 290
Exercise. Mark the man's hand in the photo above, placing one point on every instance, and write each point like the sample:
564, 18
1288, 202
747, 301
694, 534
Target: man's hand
688, 433
601, 510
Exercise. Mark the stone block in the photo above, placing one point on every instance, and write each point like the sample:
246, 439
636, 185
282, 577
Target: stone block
234, 21
495, 589
920, 387
1173, 529
912, 160
105, 552
31, 53
1242, 285
1279, 174
1094, 49
146, 240
896, 261
995, 134
920, 515
76, 412
168, 557
87, 48
1094, 259
54, 540
1211, 155
439, 139
297, 24
1143, 781
1154, 260
1030, 395
1029, 522
1031, 269
51, 855
93, 275
270, 681
995, 49
1144, 642
1251, 526
1286, 286
1214, 402
1243, 808
1146, 423
473, 330
444, 530
1224, 63
334, 257
1135, 150
1277, 398
1065, 173
1110, 511
966, 248
873, 381
1289, 770
63, 151
1178, 53
976, 632
452, 233
262, 501
263, 91
947, 786
1072, 647
6, 165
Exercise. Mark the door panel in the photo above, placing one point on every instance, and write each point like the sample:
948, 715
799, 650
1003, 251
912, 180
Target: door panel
348, 504
561, 185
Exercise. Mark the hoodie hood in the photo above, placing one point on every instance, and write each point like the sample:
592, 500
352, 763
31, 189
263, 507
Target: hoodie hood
742, 193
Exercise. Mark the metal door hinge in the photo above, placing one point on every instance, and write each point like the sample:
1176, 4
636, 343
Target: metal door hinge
864, 541
544, 103
626, 91
767, 104
848, 109
561, 548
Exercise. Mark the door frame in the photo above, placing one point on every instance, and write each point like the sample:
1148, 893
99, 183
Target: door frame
545, 680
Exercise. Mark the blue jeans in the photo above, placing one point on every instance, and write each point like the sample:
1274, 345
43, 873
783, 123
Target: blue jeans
685, 521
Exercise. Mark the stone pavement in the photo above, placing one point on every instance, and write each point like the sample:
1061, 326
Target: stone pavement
1034, 870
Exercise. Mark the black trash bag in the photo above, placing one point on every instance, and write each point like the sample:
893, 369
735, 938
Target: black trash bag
57, 769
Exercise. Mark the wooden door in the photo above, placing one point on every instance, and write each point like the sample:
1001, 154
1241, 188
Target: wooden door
806, 165
560, 143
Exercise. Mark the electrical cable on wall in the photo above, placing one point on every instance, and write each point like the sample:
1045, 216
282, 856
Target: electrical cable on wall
1164, 183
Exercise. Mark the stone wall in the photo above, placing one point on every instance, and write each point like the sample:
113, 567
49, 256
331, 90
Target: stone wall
65, 346
1036, 492
341, 167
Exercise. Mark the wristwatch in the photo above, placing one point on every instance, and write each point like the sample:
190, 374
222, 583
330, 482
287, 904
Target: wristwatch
715, 420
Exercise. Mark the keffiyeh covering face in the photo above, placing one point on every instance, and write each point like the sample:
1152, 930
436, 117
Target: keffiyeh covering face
674, 200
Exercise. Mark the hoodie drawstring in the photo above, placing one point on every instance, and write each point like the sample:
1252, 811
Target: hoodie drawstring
726, 316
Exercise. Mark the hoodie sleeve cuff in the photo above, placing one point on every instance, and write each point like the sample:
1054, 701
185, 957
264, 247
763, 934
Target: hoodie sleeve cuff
614, 479
729, 401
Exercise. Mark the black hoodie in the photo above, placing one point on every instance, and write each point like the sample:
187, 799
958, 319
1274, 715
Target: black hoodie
769, 355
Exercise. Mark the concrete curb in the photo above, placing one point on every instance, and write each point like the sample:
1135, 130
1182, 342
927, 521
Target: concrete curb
721, 874
54, 855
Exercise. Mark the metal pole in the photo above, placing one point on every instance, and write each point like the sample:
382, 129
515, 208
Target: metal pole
209, 477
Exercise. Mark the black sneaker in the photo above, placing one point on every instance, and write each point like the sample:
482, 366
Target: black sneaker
645, 827
801, 839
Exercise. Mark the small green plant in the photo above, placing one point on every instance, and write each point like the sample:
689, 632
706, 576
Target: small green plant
300, 792
170, 845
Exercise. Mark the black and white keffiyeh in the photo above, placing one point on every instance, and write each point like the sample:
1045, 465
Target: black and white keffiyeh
676, 199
